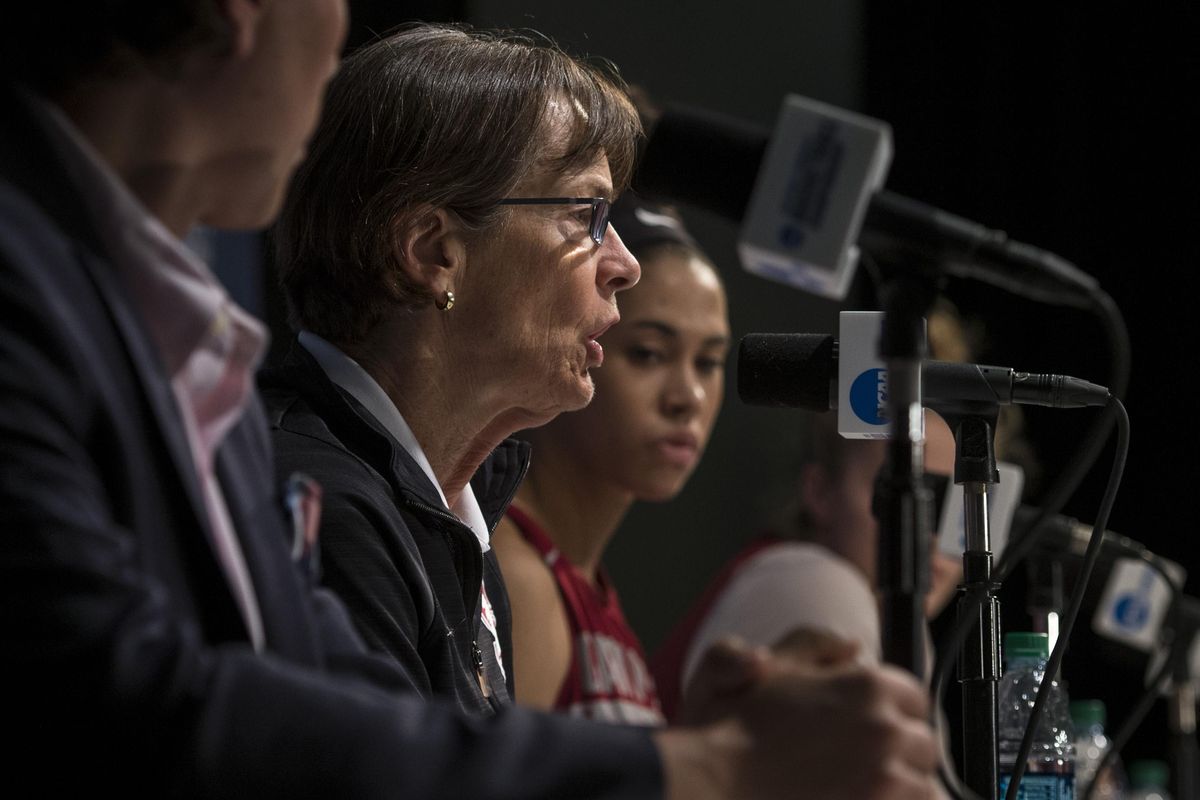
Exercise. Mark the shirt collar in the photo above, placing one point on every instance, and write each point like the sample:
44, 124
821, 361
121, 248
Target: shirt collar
176, 294
350, 376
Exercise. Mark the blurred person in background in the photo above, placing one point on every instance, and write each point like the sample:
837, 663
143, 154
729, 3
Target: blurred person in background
816, 572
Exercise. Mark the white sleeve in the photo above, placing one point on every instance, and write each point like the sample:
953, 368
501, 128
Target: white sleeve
788, 586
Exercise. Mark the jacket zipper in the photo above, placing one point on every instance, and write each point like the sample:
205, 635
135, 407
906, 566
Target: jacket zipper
485, 686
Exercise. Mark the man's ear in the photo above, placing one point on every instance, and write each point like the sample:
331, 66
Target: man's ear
428, 248
243, 18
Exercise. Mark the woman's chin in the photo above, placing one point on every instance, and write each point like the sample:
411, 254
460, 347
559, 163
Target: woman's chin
660, 489
542, 408
574, 394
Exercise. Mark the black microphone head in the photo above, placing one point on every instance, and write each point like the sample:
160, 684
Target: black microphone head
704, 159
788, 370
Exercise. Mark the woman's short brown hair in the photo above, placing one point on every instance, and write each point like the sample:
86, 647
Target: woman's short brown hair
432, 116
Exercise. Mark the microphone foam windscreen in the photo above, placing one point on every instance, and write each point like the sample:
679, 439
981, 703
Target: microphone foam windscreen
787, 370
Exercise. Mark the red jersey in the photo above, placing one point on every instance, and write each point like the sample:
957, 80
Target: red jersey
608, 679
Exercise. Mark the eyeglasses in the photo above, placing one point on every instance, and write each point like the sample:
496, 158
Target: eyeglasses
600, 209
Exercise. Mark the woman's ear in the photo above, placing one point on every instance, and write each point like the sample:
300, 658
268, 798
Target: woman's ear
815, 494
429, 249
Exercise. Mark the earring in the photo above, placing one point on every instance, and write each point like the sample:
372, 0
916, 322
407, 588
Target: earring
447, 302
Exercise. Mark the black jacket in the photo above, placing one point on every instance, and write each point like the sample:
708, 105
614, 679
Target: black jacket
408, 570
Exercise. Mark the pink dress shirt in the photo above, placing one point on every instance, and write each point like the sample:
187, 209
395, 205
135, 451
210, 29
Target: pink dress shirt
208, 345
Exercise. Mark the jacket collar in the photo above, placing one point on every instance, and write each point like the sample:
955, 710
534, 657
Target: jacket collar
29, 161
494, 483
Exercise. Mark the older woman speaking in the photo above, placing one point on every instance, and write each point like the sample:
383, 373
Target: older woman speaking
447, 258
448, 262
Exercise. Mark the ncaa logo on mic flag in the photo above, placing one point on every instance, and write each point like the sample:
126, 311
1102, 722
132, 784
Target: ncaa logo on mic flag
862, 378
1134, 603
791, 236
868, 396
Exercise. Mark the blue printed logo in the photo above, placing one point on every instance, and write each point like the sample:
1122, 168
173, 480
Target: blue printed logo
1035, 786
868, 396
1132, 611
791, 237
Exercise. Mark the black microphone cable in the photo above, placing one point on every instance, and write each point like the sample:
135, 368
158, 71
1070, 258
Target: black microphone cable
1092, 441
1091, 555
1069, 480
973, 600
958, 635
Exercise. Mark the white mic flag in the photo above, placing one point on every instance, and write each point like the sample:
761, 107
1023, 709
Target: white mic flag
821, 168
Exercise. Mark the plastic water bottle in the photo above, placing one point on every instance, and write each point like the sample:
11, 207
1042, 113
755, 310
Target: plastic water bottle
1091, 744
1050, 770
1149, 780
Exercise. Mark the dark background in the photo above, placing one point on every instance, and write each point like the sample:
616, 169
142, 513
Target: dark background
1073, 130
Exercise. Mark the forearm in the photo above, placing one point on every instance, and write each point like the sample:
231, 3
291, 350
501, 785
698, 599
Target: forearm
696, 763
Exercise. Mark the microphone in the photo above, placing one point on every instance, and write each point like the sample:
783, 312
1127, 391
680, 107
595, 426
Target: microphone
1060, 534
809, 193
1136, 598
799, 370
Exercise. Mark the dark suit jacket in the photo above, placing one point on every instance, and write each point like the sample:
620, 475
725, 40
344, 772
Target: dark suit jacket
124, 662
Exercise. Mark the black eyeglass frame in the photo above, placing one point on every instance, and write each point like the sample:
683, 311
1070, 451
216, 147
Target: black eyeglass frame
601, 207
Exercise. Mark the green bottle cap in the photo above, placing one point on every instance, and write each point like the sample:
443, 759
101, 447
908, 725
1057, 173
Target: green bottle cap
1022, 644
1149, 773
1088, 713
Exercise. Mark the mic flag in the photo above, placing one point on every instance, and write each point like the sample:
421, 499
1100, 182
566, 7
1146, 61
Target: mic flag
809, 193
1135, 603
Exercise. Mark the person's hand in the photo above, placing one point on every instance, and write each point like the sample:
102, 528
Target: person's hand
766, 725
817, 648
731, 667
727, 671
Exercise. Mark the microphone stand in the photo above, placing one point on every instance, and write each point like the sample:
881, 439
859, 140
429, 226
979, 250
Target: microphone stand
903, 504
979, 659
1181, 702
903, 501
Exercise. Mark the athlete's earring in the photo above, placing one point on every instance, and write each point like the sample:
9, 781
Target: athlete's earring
447, 302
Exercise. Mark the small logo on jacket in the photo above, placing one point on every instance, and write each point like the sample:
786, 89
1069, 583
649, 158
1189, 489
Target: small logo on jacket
302, 502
